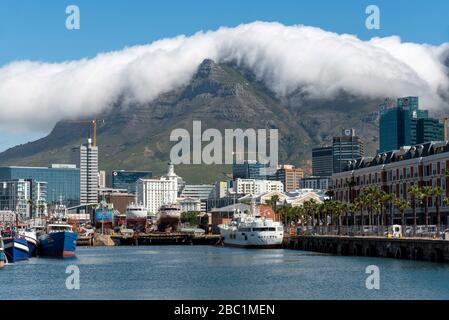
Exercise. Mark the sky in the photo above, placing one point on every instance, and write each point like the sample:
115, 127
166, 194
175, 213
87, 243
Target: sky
35, 30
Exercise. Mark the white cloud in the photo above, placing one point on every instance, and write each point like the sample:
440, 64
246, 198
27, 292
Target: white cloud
34, 95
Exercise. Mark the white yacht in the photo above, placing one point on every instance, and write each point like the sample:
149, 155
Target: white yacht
252, 231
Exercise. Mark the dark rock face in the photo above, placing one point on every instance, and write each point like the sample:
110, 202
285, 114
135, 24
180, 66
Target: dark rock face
221, 96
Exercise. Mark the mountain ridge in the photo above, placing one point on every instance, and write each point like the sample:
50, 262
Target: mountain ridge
222, 96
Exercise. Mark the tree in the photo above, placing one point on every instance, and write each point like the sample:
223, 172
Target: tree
426, 192
274, 202
438, 192
415, 193
402, 205
387, 201
191, 217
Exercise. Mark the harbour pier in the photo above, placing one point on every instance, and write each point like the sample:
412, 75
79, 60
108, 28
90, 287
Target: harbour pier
167, 239
407, 248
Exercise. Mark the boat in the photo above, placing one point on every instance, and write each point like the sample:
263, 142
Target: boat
59, 241
31, 238
2, 253
15, 247
252, 231
168, 217
136, 216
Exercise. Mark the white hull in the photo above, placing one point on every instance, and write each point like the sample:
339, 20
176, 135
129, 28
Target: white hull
257, 239
136, 213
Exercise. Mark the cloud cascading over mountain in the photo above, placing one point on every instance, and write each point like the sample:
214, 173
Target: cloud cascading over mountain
34, 95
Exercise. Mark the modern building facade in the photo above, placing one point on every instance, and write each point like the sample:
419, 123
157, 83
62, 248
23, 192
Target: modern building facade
127, 179
395, 172
201, 192
153, 193
87, 161
254, 187
289, 175
62, 181
315, 183
26, 197
322, 161
345, 148
406, 125
249, 169
101, 179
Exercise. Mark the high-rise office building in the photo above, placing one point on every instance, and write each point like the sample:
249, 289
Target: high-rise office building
322, 159
127, 179
249, 169
62, 181
405, 125
345, 148
87, 161
289, 175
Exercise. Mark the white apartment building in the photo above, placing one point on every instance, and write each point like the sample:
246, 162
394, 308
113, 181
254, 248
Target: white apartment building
153, 193
254, 187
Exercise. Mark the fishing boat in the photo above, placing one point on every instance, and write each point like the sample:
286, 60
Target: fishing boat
59, 241
31, 238
168, 217
2, 253
15, 247
136, 216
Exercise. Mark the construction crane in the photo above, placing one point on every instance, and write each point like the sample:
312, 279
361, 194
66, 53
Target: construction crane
93, 122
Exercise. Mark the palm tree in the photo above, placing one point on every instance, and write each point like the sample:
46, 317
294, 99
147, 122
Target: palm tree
438, 192
415, 193
274, 202
446, 202
426, 192
402, 205
387, 201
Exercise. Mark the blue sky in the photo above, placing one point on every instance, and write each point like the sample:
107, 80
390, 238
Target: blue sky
35, 30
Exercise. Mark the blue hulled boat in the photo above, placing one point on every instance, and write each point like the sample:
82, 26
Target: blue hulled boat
59, 241
30, 236
2, 253
16, 248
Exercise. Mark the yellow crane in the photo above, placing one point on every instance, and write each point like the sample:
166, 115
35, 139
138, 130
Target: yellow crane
93, 123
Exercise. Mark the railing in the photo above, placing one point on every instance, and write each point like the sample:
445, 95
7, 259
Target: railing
376, 231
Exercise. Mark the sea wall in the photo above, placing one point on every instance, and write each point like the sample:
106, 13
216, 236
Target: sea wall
413, 249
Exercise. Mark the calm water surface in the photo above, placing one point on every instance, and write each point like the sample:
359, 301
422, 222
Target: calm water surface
206, 272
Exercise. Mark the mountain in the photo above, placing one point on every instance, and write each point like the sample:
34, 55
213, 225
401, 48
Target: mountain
221, 96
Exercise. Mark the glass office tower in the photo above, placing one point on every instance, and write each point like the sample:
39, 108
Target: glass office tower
63, 181
125, 179
405, 125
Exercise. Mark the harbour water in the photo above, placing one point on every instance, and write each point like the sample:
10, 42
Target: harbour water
207, 272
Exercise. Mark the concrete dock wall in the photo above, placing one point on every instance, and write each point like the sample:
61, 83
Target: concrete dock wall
414, 249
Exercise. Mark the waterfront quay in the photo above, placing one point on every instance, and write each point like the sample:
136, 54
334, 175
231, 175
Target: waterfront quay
166, 239
372, 246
